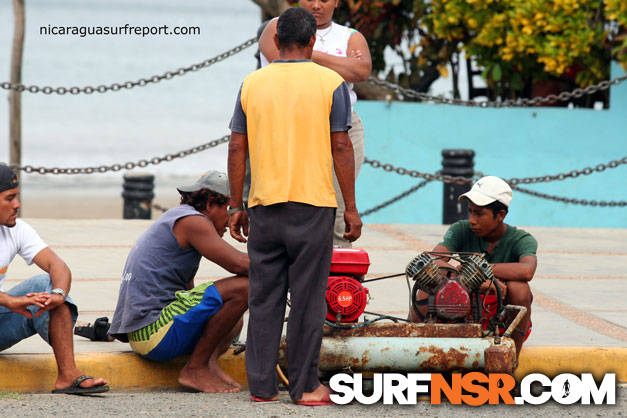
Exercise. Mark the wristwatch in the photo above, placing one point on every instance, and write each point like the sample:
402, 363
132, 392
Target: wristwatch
58, 291
231, 210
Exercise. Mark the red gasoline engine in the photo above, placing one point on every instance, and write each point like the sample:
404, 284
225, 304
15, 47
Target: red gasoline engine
346, 297
450, 295
449, 298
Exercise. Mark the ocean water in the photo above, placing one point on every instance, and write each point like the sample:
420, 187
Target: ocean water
128, 125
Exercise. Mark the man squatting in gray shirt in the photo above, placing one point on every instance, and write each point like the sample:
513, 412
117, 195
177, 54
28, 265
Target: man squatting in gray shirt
159, 310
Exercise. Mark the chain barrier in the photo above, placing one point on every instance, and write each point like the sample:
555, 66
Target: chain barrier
395, 198
520, 102
571, 174
130, 84
584, 202
417, 174
127, 166
513, 181
413, 189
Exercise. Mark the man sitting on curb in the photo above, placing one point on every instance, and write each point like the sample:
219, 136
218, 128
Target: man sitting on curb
160, 311
511, 251
39, 305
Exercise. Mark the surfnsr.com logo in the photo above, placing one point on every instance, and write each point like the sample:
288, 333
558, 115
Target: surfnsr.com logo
474, 389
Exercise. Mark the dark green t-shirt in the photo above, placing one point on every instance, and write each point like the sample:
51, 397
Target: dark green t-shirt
515, 244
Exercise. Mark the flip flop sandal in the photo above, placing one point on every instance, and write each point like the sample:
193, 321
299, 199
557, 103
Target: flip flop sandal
326, 400
76, 389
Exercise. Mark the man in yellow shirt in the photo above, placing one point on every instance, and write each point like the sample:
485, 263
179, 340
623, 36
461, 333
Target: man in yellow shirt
291, 118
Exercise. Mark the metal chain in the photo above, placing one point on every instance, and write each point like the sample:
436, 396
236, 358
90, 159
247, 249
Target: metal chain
413, 189
584, 202
417, 174
406, 193
513, 181
395, 198
564, 96
571, 174
130, 84
520, 102
128, 165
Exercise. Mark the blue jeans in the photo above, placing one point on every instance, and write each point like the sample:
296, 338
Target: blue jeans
15, 327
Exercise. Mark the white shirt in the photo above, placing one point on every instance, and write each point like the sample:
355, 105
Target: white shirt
20, 239
333, 41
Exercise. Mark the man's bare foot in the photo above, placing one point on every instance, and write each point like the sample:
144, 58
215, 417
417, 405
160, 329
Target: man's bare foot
215, 369
320, 394
203, 380
64, 380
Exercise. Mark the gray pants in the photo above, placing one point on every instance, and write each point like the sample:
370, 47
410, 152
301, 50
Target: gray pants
290, 246
356, 134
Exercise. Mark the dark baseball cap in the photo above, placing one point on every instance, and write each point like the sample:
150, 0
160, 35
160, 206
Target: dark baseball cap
212, 180
8, 178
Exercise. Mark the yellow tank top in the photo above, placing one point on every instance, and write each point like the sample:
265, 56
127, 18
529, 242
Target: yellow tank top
287, 107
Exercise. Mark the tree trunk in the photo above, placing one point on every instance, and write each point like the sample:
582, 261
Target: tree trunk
271, 8
455, 74
15, 97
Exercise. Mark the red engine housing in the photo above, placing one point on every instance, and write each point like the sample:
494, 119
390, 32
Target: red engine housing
452, 301
347, 297
349, 262
345, 294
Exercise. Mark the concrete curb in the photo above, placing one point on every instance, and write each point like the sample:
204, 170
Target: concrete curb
123, 370
127, 371
552, 361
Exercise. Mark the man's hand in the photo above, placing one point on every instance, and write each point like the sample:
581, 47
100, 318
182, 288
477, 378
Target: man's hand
353, 225
52, 301
18, 304
237, 222
487, 285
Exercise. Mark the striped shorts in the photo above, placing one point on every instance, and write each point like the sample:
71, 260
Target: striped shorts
180, 325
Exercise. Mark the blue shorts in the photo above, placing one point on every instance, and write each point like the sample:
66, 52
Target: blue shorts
15, 327
180, 325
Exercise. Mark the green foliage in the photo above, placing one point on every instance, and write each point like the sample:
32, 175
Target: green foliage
515, 41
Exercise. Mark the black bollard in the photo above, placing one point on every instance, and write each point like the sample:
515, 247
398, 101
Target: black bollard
456, 162
138, 194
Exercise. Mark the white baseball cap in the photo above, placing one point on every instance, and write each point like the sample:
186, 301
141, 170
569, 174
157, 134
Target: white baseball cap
489, 189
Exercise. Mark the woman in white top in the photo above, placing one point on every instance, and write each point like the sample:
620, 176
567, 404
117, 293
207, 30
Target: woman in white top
345, 51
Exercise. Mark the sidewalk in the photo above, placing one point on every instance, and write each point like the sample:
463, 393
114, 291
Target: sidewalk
579, 292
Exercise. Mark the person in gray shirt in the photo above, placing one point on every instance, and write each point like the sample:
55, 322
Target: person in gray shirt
160, 311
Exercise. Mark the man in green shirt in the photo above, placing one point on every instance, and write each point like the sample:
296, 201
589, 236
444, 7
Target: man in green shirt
511, 251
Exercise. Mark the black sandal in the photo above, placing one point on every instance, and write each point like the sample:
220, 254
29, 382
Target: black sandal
75, 387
